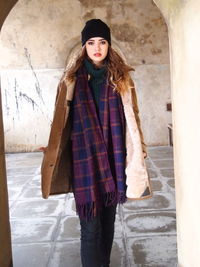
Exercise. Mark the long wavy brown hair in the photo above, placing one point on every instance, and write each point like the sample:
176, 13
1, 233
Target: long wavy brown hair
118, 70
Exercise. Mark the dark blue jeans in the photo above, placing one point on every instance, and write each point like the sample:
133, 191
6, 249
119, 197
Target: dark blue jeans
97, 238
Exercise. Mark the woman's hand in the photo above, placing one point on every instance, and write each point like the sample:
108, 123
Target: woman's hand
43, 149
144, 154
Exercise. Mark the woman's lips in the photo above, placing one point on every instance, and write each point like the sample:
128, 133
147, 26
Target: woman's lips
97, 54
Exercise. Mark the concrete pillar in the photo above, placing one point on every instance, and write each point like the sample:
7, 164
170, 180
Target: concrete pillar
5, 237
183, 19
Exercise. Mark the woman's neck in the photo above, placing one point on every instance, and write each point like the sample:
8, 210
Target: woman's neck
97, 65
92, 69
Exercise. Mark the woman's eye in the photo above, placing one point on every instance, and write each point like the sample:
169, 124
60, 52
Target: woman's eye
103, 42
90, 43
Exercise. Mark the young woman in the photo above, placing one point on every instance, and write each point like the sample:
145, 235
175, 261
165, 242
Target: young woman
96, 147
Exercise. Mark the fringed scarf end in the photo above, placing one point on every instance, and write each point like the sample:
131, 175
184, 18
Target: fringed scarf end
87, 211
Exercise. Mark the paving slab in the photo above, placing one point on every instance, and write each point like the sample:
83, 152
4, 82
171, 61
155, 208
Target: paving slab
37, 208
163, 164
159, 201
157, 185
158, 152
66, 254
150, 223
152, 173
31, 255
69, 228
167, 173
153, 251
171, 183
29, 230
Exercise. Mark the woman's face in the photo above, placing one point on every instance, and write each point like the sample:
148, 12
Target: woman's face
97, 49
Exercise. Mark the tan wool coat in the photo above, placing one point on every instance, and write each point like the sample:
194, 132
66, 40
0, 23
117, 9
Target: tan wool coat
56, 169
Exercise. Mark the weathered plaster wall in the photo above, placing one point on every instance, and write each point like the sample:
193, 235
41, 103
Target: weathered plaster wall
38, 36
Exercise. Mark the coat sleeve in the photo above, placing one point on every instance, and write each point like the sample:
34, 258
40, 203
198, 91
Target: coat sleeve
56, 164
136, 111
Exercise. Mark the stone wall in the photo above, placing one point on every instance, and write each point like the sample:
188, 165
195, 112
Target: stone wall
38, 36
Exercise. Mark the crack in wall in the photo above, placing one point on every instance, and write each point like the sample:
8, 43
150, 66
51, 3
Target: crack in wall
19, 96
33, 103
6, 102
28, 99
37, 84
16, 97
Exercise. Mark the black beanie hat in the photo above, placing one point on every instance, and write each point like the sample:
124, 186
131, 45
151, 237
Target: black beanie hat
95, 28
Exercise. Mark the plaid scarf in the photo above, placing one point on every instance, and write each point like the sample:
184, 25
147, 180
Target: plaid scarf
98, 148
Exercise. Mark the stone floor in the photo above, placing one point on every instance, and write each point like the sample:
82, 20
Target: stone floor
45, 233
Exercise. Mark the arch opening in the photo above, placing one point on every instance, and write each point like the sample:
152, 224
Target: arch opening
35, 93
